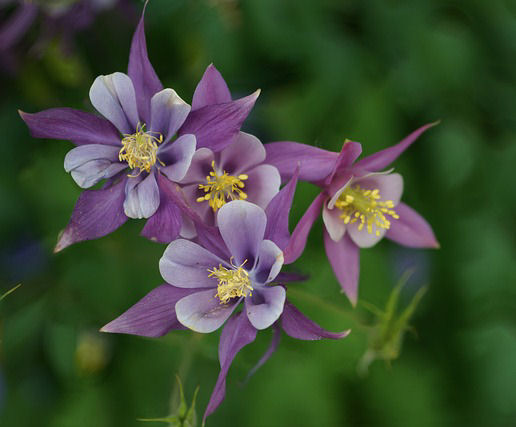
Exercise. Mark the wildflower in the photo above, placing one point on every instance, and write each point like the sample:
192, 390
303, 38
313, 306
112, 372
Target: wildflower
236, 172
132, 147
359, 204
207, 282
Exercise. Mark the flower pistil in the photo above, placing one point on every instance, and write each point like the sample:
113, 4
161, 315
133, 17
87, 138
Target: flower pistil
233, 282
140, 149
220, 188
363, 205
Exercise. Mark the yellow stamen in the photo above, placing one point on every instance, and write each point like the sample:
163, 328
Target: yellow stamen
220, 188
364, 206
140, 149
233, 282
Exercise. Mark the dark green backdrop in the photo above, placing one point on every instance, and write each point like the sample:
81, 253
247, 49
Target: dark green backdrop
370, 71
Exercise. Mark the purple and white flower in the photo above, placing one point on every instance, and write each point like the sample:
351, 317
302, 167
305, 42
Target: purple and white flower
132, 147
207, 282
360, 205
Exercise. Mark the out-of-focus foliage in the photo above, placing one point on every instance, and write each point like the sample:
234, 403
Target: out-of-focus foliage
368, 70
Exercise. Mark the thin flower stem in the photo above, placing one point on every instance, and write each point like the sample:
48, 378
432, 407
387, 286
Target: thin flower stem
9, 291
186, 362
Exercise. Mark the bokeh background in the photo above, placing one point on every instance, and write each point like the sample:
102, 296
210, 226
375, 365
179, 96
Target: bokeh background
371, 71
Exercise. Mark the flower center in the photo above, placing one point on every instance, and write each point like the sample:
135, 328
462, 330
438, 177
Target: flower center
140, 149
219, 188
233, 282
360, 205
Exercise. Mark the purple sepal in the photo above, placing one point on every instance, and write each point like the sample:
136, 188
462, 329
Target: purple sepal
214, 126
380, 160
297, 242
350, 152
344, 257
210, 238
165, 224
315, 163
96, 213
237, 333
212, 89
297, 325
146, 82
153, 316
411, 229
73, 125
276, 338
278, 211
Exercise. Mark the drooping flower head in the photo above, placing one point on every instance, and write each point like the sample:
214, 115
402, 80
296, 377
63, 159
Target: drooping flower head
360, 205
207, 282
142, 145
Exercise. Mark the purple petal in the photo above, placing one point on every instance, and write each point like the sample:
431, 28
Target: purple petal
212, 89
96, 213
185, 264
113, 97
202, 311
88, 164
411, 229
289, 276
270, 261
384, 158
242, 226
278, 211
276, 338
349, 153
146, 82
210, 238
168, 113
297, 325
297, 242
202, 209
165, 224
389, 185
333, 223
215, 126
200, 167
178, 155
237, 333
344, 257
262, 185
153, 316
242, 154
315, 163
73, 125
265, 306
364, 239
142, 196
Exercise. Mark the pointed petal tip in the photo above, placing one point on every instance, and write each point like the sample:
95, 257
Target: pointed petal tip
64, 240
344, 334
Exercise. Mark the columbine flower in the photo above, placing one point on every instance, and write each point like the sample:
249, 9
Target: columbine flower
359, 204
207, 282
237, 172
132, 147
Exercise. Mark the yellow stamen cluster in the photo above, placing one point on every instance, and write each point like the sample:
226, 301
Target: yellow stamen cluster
233, 282
361, 205
140, 149
220, 188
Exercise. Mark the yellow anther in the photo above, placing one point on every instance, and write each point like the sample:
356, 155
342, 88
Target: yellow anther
233, 282
140, 149
364, 206
222, 188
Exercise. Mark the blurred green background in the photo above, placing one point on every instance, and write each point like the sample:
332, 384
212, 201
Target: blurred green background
368, 70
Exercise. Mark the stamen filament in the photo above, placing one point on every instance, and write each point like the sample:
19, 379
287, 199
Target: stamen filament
221, 188
364, 206
233, 282
140, 149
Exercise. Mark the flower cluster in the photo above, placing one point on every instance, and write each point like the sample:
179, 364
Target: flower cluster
212, 193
